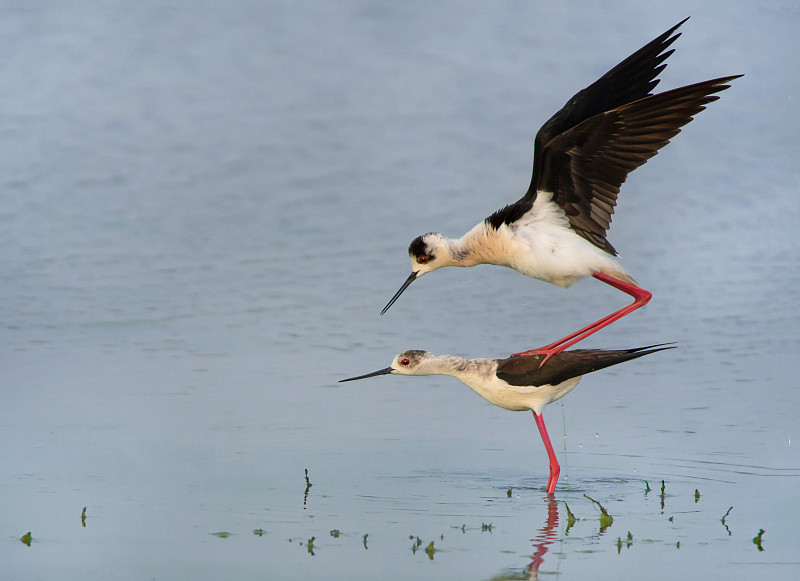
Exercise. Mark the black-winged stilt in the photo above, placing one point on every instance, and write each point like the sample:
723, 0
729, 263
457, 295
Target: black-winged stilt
582, 155
517, 383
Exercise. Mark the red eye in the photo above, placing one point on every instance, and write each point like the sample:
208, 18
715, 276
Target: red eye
422, 259
404, 362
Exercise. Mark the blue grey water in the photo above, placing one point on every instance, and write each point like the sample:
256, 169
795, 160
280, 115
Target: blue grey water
203, 208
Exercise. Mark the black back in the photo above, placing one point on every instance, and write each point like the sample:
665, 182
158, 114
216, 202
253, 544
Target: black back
526, 370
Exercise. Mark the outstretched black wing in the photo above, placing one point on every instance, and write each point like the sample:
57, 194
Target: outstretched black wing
585, 166
630, 80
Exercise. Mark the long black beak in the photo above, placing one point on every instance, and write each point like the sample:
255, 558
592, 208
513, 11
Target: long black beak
408, 281
373, 374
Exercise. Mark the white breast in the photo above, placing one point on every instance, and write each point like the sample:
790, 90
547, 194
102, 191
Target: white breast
518, 398
548, 249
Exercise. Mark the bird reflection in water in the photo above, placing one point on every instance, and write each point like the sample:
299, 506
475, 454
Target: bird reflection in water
545, 537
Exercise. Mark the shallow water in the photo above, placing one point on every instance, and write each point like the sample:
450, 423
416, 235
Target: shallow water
202, 212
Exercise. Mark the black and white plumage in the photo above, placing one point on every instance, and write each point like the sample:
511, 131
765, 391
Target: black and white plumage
582, 155
517, 383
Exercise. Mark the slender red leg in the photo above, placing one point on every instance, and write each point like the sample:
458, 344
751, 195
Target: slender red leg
640, 298
555, 469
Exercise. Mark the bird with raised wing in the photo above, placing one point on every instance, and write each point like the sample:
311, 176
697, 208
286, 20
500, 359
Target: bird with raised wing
557, 231
517, 383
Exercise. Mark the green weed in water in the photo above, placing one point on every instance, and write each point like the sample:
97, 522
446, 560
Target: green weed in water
606, 520
628, 542
723, 521
570, 519
417, 543
308, 487
757, 539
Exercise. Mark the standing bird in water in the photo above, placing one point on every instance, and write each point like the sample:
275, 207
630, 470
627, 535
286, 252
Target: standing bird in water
517, 383
581, 157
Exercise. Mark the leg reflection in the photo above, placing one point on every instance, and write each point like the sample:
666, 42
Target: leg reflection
544, 538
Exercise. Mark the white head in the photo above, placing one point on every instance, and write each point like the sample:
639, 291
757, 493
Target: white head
413, 362
427, 252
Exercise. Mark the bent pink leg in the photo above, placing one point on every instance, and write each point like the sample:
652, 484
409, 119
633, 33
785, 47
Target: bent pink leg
555, 469
640, 298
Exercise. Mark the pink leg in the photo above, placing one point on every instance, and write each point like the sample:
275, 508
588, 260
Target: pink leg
555, 469
640, 298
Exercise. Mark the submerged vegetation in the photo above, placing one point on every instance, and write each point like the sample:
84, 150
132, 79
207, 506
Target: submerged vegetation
308, 487
606, 520
560, 525
723, 521
757, 539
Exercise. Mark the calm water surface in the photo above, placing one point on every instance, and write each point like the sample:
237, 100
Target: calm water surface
203, 210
